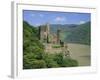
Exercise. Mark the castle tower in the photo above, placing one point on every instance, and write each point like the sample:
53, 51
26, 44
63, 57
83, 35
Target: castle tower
48, 31
58, 35
44, 32
47, 28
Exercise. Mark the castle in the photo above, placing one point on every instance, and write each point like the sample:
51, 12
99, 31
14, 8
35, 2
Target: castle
46, 36
53, 38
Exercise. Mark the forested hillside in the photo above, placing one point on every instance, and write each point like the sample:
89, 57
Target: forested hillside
32, 48
80, 34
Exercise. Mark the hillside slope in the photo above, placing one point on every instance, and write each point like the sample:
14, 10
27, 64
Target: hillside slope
73, 33
80, 34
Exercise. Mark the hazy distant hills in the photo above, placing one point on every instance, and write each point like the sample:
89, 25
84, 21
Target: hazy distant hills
54, 27
73, 33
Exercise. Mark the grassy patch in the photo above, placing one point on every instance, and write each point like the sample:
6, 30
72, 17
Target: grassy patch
56, 46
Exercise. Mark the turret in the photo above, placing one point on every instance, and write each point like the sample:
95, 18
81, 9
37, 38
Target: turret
58, 35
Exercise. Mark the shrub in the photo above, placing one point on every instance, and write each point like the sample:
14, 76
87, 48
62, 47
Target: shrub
69, 63
58, 58
38, 64
51, 63
27, 61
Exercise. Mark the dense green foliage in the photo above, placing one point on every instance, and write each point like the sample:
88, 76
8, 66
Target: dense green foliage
33, 52
32, 48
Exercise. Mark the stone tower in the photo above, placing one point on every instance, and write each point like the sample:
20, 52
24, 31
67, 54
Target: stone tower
44, 32
58, 35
